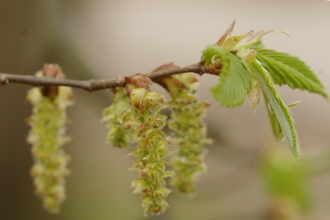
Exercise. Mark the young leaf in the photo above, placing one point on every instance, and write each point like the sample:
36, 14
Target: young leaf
235, 81
276, 127
279, 114
293, 104
286, 69
232, 41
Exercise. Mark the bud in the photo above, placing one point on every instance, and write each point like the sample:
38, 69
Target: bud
136, 96
152, 100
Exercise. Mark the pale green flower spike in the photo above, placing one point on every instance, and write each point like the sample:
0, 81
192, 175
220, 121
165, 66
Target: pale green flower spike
151, 150
47, 138
189, 131
117, 135
189, 134
247, 69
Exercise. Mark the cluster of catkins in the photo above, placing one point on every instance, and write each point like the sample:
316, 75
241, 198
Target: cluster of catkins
134, 116
47, 138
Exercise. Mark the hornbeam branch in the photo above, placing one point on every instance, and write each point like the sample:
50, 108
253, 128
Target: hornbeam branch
93, 85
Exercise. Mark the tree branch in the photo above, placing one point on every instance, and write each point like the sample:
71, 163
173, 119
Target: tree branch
92, 85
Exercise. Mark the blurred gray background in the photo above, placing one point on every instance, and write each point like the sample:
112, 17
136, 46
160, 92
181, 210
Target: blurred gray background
103, 39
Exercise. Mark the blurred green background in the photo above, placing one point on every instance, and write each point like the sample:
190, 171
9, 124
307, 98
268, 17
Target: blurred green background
249, 175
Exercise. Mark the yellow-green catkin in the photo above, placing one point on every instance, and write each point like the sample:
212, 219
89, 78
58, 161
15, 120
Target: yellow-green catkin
47, 136
151, 150
117, 134
189, 131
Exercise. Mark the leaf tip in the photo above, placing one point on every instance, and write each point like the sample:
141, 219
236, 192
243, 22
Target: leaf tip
297, 156
294, 103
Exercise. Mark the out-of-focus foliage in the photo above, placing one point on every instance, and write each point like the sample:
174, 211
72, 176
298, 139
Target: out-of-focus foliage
286, 183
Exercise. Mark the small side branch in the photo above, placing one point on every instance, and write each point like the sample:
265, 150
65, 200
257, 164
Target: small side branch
92, 85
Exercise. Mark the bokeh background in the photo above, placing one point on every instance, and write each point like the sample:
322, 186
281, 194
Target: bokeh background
250, 176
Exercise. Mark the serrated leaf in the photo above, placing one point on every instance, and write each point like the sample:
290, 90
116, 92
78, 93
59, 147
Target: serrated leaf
287, 69
276, 127
277, 110
235, 81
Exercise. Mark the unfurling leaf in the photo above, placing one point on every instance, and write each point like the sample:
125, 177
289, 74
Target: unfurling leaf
287, 69
235, 81
247, 56
232, 41
254, 94
279, 114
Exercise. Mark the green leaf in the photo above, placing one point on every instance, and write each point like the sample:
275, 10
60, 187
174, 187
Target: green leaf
256, 45
286, 69
250, 44
279, 114
235, 81
276, 127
